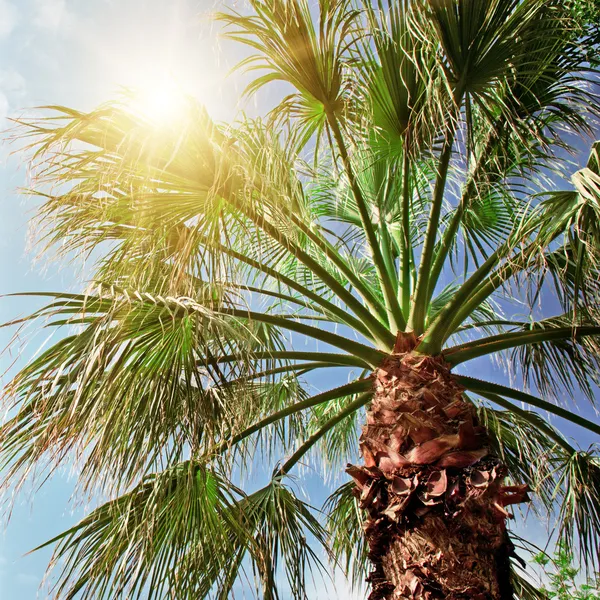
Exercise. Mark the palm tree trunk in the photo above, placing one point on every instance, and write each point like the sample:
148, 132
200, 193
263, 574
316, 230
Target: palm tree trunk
433, 492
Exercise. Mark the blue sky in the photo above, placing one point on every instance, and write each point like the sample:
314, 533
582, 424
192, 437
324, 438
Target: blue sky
79, 53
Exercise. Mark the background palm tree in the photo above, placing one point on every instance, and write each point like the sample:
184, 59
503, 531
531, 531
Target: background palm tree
390, 209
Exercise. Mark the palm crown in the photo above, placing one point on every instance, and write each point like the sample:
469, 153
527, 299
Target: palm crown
403, 189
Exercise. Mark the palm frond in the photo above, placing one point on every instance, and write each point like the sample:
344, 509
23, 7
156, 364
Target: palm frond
143, 195
577, 493
340, 443
185, 532
177, 531
135, 385
143, 381
524, 589
566, 480
286, 528
500, 391
559, 367
292, 48
398, 71
524, 448
345, 525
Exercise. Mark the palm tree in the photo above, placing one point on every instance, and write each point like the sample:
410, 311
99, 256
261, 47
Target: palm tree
401, 209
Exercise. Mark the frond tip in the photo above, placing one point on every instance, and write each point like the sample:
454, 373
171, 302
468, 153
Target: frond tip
577, 491
345, 521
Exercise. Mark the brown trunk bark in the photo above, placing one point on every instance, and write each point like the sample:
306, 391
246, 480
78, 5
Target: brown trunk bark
434, 494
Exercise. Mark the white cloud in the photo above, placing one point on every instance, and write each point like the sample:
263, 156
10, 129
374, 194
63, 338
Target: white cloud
8, 17
50, 14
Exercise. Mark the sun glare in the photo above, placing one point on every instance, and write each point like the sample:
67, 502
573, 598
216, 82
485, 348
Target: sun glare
162, 100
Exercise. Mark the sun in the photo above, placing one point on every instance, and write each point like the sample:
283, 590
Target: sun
161, 100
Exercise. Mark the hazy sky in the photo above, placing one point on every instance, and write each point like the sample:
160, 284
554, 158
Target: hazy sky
79, 53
